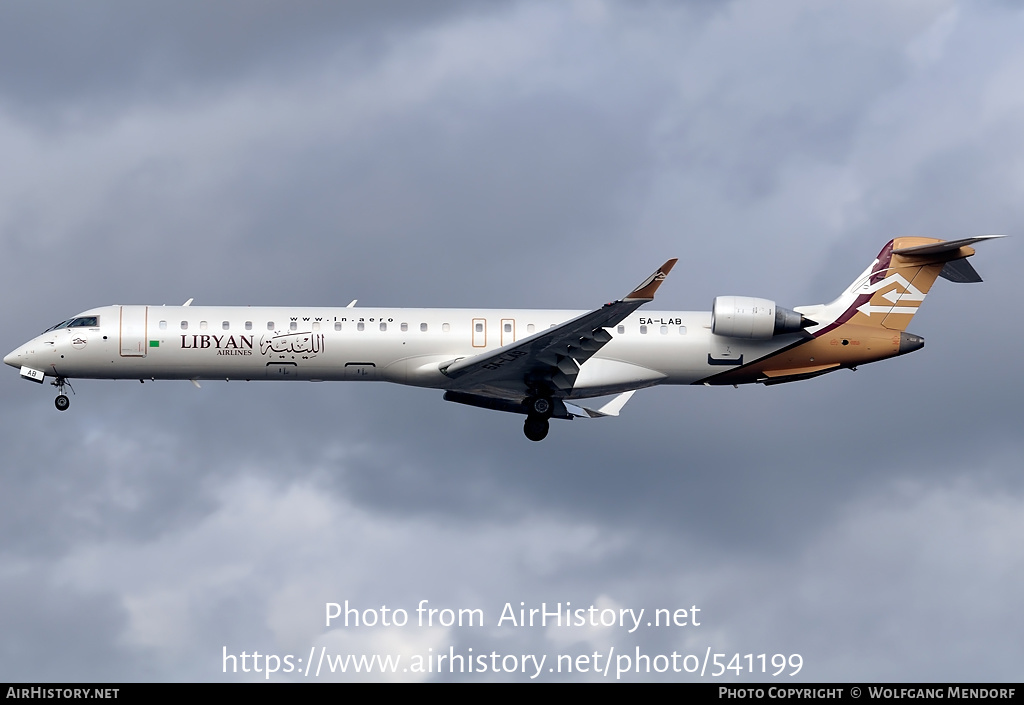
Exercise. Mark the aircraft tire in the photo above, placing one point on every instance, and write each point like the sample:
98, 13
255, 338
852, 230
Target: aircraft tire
62, 402
541, 407
536, 428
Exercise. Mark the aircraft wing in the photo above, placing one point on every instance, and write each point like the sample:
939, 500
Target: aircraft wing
551, 359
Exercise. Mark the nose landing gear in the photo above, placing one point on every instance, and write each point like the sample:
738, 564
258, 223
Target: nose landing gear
62, 402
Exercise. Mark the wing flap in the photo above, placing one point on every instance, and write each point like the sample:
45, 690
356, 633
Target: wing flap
612, 408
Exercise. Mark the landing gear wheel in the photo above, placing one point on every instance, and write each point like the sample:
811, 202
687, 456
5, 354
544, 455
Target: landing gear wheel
62, 402
541, 407
536, 428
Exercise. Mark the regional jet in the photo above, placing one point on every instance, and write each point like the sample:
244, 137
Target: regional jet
543, 364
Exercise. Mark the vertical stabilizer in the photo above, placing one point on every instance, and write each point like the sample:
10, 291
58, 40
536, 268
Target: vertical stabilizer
889, 292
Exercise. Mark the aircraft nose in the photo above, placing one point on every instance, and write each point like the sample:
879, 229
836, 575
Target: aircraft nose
13, 358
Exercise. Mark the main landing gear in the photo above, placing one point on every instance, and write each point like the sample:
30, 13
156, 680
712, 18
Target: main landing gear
536, 425
62, 402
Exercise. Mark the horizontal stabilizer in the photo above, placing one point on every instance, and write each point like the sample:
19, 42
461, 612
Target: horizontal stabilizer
960, 271
943, 247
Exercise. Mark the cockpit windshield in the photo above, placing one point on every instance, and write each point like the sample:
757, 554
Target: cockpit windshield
80, 322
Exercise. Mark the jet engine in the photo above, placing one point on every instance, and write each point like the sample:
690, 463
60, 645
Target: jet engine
759, 319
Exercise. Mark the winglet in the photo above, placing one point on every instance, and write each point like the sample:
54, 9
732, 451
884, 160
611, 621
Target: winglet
645, 292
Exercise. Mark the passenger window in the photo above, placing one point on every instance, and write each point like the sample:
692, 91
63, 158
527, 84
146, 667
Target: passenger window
530, 328
643, 330
479, 327
316, 327
337, 325
248, 325
202, 325
293, 325
225, 325
270, 325
620, 330
445, 327
383, 326
405, 327
664, 330
163, 325
360, 326
682, 330
184, 325
508, 327
423, 327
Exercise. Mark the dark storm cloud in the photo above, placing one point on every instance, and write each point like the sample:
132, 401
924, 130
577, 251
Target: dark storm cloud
45, 628
363, 160
526, 155
62, 60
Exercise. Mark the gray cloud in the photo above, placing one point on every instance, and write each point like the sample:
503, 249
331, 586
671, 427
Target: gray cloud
527, 155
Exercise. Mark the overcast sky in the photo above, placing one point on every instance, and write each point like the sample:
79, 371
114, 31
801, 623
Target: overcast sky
511, 154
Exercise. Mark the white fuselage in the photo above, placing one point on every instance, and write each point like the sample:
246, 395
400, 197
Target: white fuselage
530, 362
401, 345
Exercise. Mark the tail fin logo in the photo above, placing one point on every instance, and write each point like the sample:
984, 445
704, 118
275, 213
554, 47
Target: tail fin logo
903, 291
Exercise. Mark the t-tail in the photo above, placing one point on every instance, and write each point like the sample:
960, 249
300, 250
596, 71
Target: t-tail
889, 292
868, 321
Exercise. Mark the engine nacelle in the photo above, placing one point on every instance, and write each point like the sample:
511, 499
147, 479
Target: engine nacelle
748, 317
